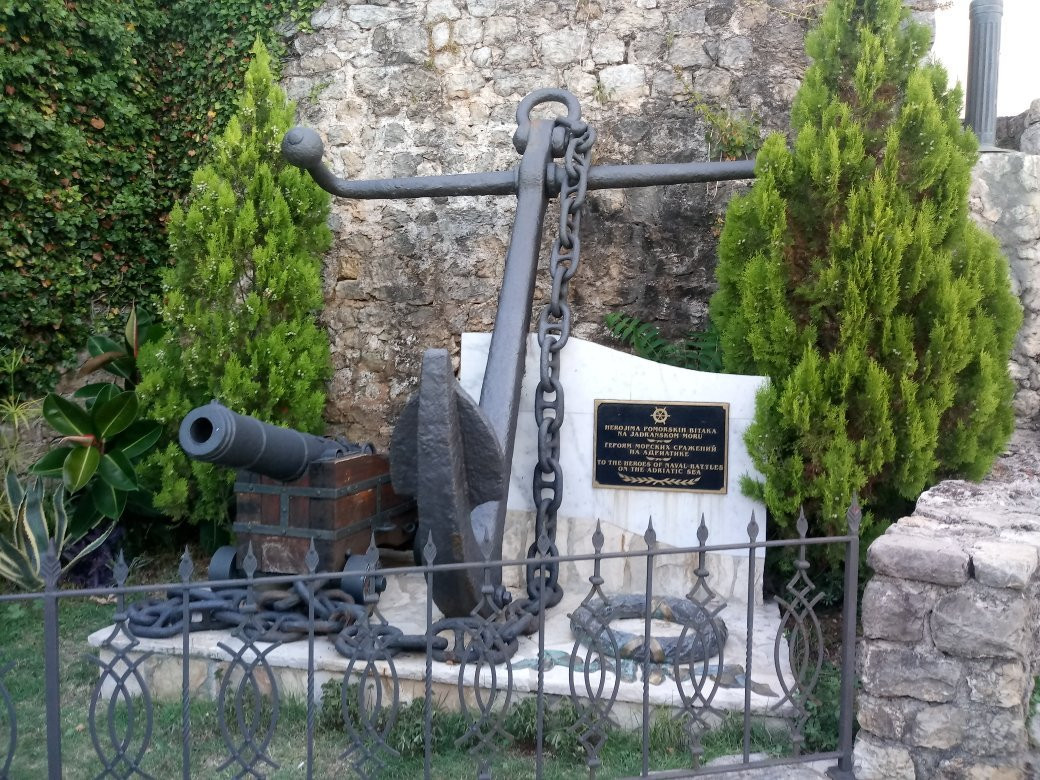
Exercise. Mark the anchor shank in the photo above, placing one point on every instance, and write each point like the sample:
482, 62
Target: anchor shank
500, 391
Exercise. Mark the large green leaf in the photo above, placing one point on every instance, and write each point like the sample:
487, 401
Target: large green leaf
14, 491
107, 500
66, 417
33, 517
51, 464
99, 345
96, 392
130, 331
116, 414
60, 521
117, 471
16, 566
137, 439
79, 467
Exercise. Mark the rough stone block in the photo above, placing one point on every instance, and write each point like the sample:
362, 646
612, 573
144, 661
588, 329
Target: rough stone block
996, 732
1003, 565
965, 768
874, 759
939, 727
894, 670
623, 82
975, 622
998, 683
919, 558
886, 718
896, 609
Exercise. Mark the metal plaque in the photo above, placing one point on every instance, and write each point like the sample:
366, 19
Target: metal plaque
661, 446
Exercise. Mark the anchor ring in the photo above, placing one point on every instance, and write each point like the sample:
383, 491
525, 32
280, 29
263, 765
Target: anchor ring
701, 638
539, 96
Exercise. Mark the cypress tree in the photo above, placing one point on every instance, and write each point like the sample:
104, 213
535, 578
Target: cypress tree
241, 300
852, 276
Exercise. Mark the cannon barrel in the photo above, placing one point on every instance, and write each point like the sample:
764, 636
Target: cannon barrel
215, 434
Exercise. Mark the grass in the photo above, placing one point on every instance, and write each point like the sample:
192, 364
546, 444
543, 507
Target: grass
21, 644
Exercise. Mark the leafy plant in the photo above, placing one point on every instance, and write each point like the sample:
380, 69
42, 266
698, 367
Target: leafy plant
852, 276
25, 536
105, 439
103, 442
242, 301
821, 727
120, 359
699, 350
16, 414
106, 111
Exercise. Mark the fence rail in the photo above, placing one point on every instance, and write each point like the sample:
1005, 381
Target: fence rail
491, 663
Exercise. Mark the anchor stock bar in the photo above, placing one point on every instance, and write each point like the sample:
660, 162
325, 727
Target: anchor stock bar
303, 147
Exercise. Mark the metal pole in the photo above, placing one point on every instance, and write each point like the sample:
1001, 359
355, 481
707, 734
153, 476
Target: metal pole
847, 714
51, 569
980, 112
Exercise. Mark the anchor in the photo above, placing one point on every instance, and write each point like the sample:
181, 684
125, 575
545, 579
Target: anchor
452, 453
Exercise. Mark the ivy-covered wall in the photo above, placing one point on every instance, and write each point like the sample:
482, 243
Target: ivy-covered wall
106, 108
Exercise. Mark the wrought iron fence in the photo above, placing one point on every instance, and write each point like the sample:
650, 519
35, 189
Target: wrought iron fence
606, 672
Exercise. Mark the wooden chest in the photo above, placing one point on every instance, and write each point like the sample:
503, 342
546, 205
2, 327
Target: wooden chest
337, 503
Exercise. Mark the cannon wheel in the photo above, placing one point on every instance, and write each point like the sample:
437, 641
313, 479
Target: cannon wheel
222, 564
359, 579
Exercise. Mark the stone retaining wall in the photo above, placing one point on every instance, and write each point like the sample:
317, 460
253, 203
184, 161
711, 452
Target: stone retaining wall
415, 87
950, 626
1005, 200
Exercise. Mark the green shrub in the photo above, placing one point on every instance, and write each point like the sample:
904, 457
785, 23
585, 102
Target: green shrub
242, 300
852, 276
106, 110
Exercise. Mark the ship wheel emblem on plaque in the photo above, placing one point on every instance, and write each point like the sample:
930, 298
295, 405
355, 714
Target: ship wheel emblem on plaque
660, 415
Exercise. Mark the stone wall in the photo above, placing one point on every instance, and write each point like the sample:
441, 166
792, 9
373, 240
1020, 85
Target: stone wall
404, 87
950, 626
1005, 199
1021, 133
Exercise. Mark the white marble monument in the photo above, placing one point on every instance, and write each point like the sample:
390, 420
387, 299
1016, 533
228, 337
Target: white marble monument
590, 372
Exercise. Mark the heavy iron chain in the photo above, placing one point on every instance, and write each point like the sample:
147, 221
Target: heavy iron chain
554, 328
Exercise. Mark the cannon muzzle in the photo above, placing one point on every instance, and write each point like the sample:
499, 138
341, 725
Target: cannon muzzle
215, 434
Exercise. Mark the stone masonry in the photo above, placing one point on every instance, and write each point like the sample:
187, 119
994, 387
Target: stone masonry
950, 627
1005, 199
413, 87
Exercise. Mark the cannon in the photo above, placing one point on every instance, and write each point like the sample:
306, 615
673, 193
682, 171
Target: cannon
215, 434
294, 488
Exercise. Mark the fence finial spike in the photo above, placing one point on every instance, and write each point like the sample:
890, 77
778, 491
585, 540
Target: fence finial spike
429, 551
120, 571
650, 536
702, 531
752, 527
803, 524
597, 537
187, 565
50, 566
855, 515
249, 563
311, 559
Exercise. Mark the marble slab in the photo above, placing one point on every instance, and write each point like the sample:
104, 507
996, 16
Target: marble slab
591, 372
403, 604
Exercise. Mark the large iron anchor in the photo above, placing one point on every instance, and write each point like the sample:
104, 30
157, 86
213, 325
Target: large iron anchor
452, 453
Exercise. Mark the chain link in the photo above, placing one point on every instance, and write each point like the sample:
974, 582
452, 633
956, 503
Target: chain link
554, 328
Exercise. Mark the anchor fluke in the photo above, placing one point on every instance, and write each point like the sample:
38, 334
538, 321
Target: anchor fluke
444, 451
